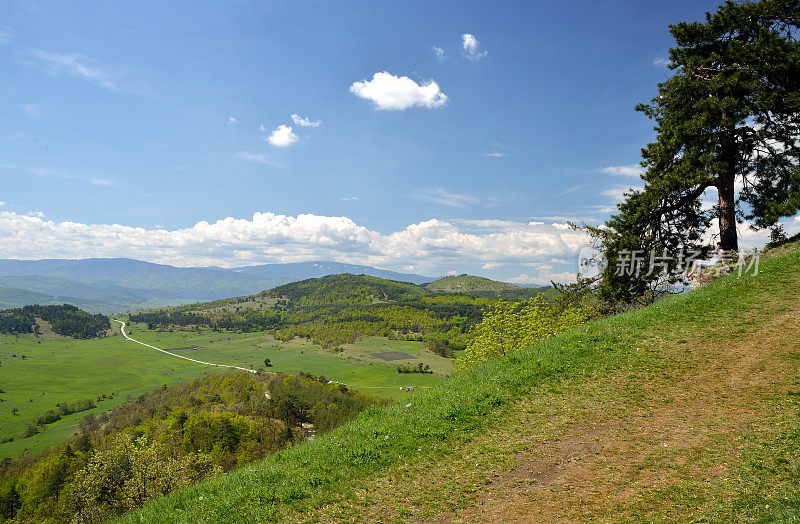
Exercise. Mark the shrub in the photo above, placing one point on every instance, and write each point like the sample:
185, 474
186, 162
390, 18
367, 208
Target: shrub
513, 326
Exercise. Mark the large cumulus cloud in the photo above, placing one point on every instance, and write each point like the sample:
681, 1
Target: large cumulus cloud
434, 246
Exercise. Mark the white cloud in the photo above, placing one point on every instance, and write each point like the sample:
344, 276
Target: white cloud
544, 277
256, 157
438, 52
661, 62
232, 120
629, 170
494, 155
471, 45
439, 195
393, 93
432, 247
282, 136
77, 65
750, 238
616, 193
305, 122
2, 204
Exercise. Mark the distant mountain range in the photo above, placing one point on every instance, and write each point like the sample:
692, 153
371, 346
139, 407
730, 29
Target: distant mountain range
303, 270
118, 284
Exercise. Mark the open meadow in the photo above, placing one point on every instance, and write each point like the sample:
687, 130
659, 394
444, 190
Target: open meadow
38, 373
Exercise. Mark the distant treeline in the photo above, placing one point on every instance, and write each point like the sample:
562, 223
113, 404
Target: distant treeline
168, 439
66, 320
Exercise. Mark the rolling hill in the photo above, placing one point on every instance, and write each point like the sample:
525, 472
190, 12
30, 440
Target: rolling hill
484, 287
682, 411
335, 310
346, 289
468, 284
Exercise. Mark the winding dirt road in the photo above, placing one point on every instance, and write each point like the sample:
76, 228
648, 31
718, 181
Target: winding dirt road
122, 329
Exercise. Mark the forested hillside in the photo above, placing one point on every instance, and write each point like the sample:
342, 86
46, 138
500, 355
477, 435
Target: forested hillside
169, 438
338, 309
484, 287
467, 284
66, 320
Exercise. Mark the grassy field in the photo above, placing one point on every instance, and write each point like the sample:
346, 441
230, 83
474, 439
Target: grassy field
683, 411
57, 369
356, 366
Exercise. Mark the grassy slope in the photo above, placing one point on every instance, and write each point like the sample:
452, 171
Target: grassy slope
683, 410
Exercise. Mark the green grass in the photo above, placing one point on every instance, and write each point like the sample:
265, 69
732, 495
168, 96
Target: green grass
66, 370
354, 367
342, 465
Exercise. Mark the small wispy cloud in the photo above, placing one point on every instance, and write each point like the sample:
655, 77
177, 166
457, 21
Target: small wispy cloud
471, 46
232, 120
2, 203
438, 195
572, 189
305, 122
77, 65
5, 35
54, 173
661, 62
349, 198
616, 193
494, 155
32, 110
282, 136
632, 170
438, 52
259, 158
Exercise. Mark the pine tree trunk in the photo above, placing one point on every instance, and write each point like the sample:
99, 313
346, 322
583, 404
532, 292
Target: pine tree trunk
725, 188
727, 212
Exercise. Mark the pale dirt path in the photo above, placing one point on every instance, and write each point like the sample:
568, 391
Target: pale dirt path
604, 465
122, 330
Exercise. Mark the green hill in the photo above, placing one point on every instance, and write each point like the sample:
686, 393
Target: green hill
65, 320
685, 410
346, 289
468, 284
336, 310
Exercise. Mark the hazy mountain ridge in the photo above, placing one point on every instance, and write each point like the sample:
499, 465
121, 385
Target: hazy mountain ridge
316, 269
118, 284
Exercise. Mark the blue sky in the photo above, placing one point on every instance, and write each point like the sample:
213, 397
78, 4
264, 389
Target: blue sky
143, 129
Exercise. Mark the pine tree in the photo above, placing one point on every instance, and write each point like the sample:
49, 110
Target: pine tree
727, 119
